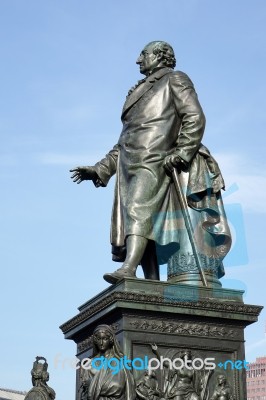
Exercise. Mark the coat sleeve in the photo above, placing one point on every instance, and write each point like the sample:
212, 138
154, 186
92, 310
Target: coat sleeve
106, 168
192, 118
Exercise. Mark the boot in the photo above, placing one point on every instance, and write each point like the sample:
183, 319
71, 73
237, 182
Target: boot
126, 271
136, 246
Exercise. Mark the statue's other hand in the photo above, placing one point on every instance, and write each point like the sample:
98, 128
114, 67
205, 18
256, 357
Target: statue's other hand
172, 161
84, 174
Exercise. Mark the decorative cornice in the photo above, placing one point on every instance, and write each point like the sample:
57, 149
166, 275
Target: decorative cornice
206, 305
185, 328
169, 326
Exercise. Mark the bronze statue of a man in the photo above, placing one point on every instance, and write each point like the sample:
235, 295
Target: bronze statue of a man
163, 124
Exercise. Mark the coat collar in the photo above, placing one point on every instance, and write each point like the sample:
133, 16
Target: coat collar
144, 87
158, 74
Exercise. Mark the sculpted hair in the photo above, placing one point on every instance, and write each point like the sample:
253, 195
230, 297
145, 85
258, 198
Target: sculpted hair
166, 51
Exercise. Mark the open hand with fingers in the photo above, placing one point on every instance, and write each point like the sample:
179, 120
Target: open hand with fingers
85, 174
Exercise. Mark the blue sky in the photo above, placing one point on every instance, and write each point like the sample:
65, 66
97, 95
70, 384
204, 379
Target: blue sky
66, 67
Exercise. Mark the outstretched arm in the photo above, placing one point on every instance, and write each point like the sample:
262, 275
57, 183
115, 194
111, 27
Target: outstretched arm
101, 172
154, 348
106, 168
85, 174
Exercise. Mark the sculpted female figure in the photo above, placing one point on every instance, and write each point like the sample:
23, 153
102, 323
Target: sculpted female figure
109, 381
40, 377
222, 390
182, 383
147, 387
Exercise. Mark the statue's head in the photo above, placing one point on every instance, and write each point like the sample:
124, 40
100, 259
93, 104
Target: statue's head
150, 373
187, 354
103, 338
39, 371
154, 55
221, 379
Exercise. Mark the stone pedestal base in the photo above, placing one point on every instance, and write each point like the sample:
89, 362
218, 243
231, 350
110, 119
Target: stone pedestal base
209, 322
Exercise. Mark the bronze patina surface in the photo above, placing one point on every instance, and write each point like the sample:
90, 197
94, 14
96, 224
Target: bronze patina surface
163, 126
40, 377
153, 319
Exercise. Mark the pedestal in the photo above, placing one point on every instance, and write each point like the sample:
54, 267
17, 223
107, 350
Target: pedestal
209, 322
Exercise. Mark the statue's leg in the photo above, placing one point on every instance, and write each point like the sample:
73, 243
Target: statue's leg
149, 262
136, 246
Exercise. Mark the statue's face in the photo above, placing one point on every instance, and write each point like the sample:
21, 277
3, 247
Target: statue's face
221, 379
147, 61
103, 341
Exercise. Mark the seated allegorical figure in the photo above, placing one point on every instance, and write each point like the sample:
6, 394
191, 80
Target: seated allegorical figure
147, 387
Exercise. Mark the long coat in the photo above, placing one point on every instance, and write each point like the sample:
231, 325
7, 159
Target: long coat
160, 117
